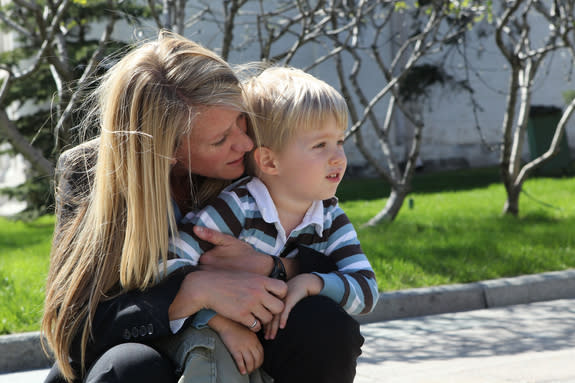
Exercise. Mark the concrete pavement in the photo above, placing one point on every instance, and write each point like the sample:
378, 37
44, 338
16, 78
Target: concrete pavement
524, 343
506, 340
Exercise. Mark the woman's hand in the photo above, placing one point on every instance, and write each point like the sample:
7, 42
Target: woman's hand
239, 296
232, 253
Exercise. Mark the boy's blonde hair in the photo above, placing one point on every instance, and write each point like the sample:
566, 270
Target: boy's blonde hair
286, 100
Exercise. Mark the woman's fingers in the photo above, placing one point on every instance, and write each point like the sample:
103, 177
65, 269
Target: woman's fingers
213, 236
242, 297
256, 325
231, 253
278, 288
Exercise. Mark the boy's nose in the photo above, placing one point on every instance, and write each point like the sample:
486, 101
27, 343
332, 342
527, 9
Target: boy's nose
338, 157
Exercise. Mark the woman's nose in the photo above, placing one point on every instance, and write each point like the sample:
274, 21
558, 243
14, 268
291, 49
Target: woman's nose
243, 142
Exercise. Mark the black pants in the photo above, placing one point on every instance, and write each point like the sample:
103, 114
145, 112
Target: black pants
321, 343
126, 362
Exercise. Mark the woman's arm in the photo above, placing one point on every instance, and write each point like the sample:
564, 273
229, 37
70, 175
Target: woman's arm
142, 316
136, 316
232, 253
240, 296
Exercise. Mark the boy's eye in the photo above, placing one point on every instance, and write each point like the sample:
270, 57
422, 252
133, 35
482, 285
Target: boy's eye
320, 145
340, 143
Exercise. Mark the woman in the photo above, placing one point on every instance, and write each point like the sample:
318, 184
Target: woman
172, 134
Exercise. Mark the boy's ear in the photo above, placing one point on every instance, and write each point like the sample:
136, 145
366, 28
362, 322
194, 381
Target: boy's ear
265, 160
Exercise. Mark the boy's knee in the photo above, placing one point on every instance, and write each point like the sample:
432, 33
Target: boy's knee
320, 322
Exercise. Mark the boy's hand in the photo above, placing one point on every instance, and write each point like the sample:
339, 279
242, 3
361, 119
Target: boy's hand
299, 287
243, 344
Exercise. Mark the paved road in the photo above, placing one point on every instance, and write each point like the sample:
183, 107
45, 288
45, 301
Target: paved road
523, 343
532, 343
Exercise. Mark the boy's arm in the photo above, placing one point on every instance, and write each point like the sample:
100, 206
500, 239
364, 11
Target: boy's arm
353, 284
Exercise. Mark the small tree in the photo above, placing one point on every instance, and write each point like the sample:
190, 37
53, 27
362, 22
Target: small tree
55, 54
525, 53
434, 25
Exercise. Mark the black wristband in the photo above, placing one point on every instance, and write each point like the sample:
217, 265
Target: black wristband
279, 270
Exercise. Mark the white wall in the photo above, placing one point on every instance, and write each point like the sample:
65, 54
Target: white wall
12, 173
450, 127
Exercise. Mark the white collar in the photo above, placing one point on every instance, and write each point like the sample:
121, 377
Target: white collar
261, 194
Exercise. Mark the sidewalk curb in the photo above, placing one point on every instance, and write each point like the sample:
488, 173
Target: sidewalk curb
21, 352
473, 296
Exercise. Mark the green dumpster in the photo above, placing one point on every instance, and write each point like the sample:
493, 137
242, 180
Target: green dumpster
540, 130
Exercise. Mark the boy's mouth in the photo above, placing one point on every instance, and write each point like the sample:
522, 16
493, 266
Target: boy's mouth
333, 176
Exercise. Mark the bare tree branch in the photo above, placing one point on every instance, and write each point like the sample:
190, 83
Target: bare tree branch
21, 145
88, 71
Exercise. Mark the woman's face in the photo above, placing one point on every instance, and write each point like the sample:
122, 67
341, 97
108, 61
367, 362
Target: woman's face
216, 145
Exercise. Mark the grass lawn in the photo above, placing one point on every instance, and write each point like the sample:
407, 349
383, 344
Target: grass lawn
453, 233
458, 235
24, 256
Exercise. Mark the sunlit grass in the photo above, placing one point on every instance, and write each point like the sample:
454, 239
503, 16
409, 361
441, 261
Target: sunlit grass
460, 237
24, 256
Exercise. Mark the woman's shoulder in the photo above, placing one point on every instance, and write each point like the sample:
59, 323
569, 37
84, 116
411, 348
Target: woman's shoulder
82, 153
74, 178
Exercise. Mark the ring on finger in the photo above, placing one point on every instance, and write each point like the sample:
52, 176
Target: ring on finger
254, 324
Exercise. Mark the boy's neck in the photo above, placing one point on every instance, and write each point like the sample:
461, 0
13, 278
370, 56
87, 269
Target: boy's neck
290, 212
289, 221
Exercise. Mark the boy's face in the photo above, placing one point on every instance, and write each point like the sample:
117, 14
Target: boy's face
313, 162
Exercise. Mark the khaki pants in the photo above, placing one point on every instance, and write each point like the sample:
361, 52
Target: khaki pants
202, 357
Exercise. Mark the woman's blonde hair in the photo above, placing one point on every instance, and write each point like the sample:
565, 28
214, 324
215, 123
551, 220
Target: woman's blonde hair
285, 100
145, 103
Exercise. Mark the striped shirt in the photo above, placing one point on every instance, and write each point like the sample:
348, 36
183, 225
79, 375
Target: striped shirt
245, 210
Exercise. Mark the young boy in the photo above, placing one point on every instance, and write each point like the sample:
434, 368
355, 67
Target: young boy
289, 201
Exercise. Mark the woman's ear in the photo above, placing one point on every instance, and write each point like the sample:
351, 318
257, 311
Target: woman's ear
265, 160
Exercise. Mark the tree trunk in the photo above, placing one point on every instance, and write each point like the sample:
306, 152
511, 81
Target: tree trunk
21, 145
512, 203
392, 207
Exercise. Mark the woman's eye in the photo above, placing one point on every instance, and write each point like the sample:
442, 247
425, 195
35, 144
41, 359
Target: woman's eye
221, 141
241, 122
